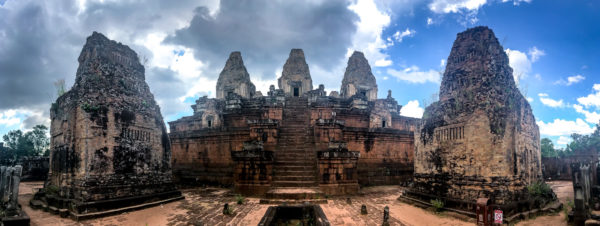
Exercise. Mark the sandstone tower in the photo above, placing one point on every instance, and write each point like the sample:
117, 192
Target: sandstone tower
480, 140
234, 78
109, 145
358, 78
295, 79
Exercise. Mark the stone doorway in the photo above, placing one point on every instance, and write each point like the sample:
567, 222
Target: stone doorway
296, 91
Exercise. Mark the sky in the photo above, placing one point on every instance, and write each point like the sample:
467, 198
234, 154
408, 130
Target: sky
553, 47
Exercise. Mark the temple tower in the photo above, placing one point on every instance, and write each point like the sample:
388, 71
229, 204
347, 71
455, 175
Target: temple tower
295, 79
358, 78
234, 78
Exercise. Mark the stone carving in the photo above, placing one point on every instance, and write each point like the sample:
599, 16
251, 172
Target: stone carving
358, 78
109, 142
234, 78
295, 78
480, 139
10, 210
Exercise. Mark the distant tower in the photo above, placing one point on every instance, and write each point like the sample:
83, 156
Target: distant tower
358, 78
234, 78
295, 79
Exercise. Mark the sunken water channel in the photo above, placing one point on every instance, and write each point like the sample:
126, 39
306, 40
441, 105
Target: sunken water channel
305, 214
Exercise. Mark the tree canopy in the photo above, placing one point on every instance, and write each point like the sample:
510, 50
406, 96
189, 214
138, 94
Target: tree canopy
18, 144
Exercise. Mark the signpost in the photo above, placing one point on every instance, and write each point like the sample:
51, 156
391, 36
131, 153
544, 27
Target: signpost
497, 216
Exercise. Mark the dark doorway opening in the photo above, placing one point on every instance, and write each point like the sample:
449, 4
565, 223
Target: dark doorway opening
383, 123
363, 93
296, 91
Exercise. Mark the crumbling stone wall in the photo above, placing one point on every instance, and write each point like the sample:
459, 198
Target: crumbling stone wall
480, 139
108, 139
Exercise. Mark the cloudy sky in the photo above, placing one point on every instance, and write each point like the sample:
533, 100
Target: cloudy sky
553, 48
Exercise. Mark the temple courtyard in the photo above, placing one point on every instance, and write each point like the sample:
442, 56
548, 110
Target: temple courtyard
204, 206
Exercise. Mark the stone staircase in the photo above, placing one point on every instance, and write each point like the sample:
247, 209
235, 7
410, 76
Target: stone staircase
295, 167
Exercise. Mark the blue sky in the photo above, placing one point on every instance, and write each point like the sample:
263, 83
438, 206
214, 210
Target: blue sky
553, 47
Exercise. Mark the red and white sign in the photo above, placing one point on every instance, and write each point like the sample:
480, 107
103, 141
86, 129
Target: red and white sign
498, 216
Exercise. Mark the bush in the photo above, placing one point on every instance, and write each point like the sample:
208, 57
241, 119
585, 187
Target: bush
437, 204
239, 198
539, 189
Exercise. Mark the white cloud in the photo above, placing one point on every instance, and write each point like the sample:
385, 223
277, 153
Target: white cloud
520, 64
455, 6
536, 53
412, 109
592, 99
414, 75
570, 80
429, 21
562, 127
550, 102
517, 2
368, 35
398, 36
591, 117
563, 141
442, 63
529, 99
9, 118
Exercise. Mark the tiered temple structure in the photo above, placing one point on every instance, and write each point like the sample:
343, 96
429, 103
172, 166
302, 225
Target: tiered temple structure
109, 144
295, 137
480, 140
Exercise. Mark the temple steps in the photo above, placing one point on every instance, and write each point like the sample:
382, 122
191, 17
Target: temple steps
295, 183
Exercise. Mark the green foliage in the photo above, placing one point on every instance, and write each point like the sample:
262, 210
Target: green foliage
89, 108
539, 189
60, 87
437, 204
239, 198
19, 144
548, 148
51, 190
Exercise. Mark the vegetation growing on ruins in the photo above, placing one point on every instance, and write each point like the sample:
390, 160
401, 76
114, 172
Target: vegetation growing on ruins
437, 204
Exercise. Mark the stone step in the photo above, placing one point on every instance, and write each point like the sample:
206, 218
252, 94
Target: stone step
295, 172
291, 177
295, 193
299, 162
311, 183
287, 168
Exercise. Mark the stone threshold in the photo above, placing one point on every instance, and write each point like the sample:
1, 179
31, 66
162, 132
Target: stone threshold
85, 216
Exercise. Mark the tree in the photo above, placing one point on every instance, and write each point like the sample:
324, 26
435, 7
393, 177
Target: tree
585, 143
548, 148
32, 143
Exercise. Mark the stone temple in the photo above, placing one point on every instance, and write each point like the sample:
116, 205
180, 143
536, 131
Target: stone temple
295, 136
109, 144
480, 140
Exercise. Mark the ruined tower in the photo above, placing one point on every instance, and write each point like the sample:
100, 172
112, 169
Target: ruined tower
295, 79
480, 140
234, 78
358, 78
109, 144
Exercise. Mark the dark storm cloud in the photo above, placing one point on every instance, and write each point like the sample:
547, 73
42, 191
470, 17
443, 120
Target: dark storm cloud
265, 31
33, 53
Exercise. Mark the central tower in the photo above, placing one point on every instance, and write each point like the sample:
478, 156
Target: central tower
295, 79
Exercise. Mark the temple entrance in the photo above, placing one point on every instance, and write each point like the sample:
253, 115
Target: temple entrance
296, 91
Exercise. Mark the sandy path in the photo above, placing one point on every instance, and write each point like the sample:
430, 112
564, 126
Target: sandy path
564, 192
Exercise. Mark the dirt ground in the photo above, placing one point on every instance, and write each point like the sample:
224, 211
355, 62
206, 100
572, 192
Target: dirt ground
203, 206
